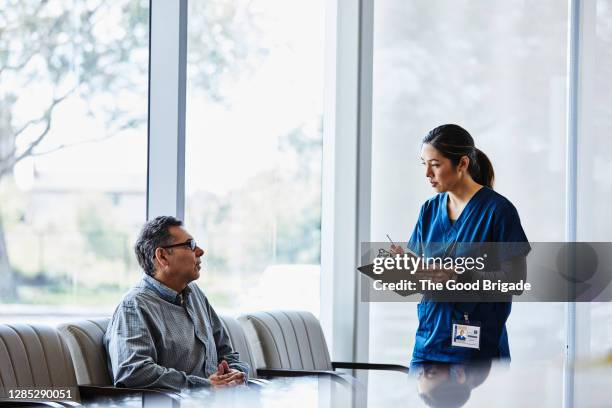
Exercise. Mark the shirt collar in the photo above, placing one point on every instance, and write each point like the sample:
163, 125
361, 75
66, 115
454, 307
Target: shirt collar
165, 292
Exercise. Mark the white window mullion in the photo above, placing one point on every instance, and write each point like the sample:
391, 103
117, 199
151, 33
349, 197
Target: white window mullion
167, 74
346, 175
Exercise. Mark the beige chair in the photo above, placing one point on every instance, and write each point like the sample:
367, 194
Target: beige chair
240, 343
85, 341
245, 341
294, 341
36, 356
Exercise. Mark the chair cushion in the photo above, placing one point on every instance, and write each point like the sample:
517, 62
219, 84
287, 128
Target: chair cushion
240, 343
34, 356
253, 342
85, 341
289, 339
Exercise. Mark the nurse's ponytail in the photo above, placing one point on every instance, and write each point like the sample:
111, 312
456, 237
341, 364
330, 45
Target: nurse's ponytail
481, 168
454, 142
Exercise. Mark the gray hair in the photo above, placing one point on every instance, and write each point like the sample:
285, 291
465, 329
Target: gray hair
154, 234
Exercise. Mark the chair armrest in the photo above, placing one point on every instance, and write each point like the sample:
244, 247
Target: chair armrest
35, 404
96, 390
258, 382
162, 397
370, 366
283, 372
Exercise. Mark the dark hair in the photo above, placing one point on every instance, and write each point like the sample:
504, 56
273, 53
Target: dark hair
447, 395
454, 142
154, 234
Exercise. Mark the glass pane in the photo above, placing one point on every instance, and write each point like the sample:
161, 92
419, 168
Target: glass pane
73, 89
499, 70
253, 150
593, 329
595, 124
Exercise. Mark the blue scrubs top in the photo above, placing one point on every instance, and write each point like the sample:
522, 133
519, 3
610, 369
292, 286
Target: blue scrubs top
487, 217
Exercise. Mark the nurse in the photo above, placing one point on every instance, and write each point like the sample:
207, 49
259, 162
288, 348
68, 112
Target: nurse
464, 210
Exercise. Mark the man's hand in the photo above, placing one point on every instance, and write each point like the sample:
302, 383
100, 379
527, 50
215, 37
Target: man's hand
226, 377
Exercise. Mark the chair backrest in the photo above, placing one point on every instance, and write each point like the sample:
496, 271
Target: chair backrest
34, 356
288, 339
85, 342
240, 343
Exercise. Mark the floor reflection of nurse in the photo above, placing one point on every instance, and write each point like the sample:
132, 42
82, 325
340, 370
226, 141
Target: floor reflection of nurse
466, 209
449, 385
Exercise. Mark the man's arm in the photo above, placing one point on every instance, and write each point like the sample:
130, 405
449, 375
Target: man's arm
133, 356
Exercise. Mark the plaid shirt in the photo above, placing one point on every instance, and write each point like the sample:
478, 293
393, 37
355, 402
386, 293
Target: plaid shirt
159, 338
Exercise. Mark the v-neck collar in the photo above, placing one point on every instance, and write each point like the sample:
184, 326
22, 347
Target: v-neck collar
461, 217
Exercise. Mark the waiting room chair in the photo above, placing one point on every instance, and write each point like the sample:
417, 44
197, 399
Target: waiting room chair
244, 340
239, 342
85, 341
36, 356
293, 342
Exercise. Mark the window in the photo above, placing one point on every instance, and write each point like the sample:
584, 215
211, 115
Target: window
253, 150
499, 70
73, 140
594, 185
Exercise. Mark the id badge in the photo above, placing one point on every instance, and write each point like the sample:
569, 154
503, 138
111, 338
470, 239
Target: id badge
465, 334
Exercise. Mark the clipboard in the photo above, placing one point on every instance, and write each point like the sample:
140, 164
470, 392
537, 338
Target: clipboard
389, 275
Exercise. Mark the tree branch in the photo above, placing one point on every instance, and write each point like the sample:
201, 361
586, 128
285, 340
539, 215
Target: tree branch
81, 142
19, 65
111, 133
34, 51
10, 162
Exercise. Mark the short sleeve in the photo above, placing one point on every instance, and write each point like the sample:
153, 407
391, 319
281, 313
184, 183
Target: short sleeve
415, 244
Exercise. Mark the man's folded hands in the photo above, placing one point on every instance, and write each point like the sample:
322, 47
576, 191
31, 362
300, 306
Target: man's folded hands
226, 376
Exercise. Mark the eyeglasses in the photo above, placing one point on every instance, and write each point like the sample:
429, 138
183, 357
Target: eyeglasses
190, 243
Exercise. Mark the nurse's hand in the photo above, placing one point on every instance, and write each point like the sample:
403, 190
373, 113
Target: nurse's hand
396, 250
437, 275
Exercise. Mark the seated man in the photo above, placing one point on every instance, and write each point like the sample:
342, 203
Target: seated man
164, 333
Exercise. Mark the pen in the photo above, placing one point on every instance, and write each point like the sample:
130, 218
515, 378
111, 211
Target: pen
408, 250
